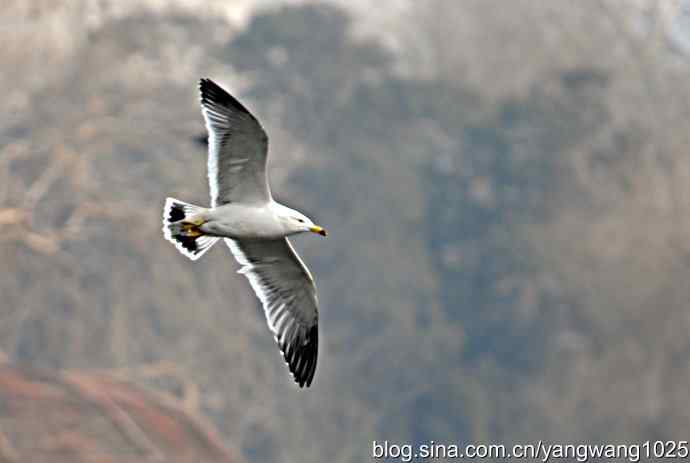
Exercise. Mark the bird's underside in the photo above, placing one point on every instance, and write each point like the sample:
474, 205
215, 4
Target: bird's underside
254, 227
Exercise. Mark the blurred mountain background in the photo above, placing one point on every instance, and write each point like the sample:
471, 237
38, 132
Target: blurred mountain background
506, 186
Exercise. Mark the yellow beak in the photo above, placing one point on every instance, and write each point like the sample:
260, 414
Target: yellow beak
319, 230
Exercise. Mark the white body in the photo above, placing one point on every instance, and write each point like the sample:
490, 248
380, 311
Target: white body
268, 221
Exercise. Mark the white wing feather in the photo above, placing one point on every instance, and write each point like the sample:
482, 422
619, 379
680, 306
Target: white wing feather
287, 292
237, 149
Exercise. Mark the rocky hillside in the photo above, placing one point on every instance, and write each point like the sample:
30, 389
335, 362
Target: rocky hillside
78, 417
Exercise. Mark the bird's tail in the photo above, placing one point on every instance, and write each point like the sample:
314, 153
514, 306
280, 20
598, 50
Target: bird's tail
181, 227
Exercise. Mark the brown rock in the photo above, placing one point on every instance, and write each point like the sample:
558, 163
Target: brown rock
85, 417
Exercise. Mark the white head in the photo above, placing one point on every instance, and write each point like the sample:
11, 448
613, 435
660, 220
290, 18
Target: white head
295, 222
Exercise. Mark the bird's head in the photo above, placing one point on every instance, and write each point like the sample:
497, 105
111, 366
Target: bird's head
295, 222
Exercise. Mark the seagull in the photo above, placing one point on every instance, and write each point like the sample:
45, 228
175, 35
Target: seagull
254, 226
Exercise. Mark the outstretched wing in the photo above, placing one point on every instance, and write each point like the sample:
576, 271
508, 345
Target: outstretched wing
237, 149
287, 292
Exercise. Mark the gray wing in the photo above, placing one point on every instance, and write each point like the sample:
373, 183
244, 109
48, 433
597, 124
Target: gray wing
288, 294
237, 149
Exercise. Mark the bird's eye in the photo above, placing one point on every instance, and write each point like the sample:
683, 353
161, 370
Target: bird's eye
300, 220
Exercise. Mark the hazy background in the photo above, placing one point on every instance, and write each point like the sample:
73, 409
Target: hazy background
506, 185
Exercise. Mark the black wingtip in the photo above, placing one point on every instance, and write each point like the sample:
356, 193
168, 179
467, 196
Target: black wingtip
301, 359
213, 94
201, 140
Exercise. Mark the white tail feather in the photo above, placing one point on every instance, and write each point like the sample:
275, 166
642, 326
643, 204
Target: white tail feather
174, 214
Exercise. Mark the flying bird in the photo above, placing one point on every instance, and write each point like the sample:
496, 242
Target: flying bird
254, 226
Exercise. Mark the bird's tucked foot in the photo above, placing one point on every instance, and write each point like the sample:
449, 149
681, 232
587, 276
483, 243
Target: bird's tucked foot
191, 228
